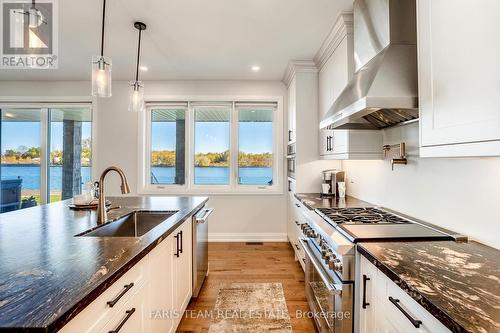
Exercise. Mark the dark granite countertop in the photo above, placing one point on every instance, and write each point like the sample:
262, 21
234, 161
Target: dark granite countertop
459, 283
315, 200
47, 275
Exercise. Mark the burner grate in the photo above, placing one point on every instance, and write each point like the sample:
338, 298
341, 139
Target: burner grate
359, 215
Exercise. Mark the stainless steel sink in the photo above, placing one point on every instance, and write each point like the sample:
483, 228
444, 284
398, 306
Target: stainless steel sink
135, 224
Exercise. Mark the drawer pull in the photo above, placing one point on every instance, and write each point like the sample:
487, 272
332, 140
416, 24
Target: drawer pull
298, 206
297, 247
124, 291
365, 279
181, 241
415, 322
177, 238
119, 327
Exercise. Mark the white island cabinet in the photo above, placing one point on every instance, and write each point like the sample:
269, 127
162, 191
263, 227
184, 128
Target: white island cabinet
459, 80
383, 307
151, 297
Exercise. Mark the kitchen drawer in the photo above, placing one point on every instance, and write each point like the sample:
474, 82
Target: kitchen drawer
396, 321
131, 317
96, 315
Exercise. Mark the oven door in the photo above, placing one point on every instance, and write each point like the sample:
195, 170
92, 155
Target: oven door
330, 300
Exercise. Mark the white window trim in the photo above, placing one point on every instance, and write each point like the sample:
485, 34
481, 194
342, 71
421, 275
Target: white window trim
44, 104
189, 188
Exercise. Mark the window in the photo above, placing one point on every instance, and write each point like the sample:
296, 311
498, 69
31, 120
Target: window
45, 154
167, 161
70, 152
212, 147
255, 140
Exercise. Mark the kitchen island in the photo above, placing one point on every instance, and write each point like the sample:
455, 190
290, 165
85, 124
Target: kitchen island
48, 275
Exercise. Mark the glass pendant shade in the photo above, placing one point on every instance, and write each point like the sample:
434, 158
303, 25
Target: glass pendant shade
35, 18
101, 76
136, 96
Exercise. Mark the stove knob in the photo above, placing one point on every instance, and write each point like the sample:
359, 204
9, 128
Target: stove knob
338, 265
331, 264
327, 257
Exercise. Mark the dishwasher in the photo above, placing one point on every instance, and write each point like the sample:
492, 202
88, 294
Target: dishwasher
200, 248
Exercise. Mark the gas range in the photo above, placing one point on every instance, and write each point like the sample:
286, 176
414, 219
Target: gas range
365, 224
360, 215
329, 237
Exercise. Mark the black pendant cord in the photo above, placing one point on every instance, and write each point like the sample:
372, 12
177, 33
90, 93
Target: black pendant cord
102, 31
138, 57
139, 26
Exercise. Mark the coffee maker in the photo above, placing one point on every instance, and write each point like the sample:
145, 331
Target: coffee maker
331, 178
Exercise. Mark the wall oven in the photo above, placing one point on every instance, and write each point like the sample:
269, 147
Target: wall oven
290, 160
330, 298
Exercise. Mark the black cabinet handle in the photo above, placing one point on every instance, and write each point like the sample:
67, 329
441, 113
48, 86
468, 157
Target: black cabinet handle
297, 205
181, 241
289, 135
117, 298
327, 143
177, 245
415, 322
365, 303
119, 327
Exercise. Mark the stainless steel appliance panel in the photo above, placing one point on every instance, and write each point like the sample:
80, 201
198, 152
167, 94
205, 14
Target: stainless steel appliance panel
200, 248
329, 298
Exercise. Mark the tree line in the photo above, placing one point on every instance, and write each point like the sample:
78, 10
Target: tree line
166, 158
25, 155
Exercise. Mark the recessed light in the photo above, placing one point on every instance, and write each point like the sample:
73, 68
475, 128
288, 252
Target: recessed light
143, 68
255, 68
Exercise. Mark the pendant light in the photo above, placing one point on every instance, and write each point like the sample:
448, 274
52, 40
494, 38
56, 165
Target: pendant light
137, 87
35, 16
101, 67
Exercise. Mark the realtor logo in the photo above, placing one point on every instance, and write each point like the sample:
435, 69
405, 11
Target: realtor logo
28, 34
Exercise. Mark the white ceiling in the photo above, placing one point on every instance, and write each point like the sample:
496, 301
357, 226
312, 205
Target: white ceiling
190, 39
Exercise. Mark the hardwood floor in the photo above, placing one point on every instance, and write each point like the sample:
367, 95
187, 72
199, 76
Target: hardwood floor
239, 262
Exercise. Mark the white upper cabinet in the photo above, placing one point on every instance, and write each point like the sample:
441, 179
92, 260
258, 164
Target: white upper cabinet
292, 111
459, 77
335, 59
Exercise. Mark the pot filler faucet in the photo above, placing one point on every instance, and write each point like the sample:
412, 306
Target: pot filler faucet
102, 213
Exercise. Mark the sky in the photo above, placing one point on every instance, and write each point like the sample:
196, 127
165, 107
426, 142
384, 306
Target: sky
15, 134
214, 137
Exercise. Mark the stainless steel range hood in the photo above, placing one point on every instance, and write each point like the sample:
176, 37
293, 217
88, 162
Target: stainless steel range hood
383, 91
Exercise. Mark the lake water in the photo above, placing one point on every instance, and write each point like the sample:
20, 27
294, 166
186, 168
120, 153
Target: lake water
217, 175
165, 175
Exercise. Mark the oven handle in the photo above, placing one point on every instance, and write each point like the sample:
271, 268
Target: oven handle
331, 287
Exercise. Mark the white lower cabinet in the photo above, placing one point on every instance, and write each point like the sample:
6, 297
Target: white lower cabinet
182, 266
294, 233
150, 298
160, 303
383, 307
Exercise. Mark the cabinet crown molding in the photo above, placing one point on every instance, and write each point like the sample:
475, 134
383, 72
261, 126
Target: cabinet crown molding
298, 66
342, 28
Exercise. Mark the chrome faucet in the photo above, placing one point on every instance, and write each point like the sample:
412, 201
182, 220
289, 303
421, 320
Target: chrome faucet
102, 213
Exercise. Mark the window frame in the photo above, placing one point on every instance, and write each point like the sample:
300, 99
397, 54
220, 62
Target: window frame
45, 105
189, 188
